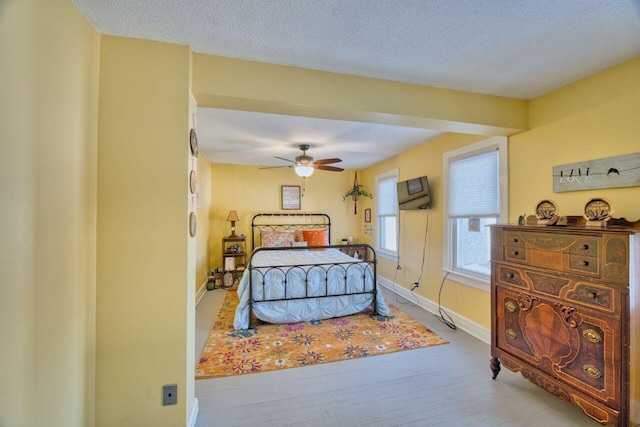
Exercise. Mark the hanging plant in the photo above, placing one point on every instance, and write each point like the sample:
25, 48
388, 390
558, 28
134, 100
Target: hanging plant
355, 192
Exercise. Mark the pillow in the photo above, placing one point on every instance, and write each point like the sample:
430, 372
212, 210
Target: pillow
300, 238
276, 239
314, 237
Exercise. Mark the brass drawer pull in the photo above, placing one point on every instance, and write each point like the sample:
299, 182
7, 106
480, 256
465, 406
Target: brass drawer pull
510, 307
515, 240
585, 247
510, 275
515, 253
510, 334
592, 294
592, 336
585, 263
592, 371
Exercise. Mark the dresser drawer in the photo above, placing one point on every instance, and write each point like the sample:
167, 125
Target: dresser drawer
513, 238
599, 296
576, 290
554, 251
515, 254
510, 275
560, 340
586, 246
583, 264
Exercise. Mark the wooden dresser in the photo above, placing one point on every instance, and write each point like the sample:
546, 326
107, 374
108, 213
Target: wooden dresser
565, 309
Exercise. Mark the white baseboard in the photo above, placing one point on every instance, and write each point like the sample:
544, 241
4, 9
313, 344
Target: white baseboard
193, 416
470, 327
201, 292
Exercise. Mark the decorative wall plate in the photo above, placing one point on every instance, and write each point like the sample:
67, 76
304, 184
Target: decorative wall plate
597, 212
193, 182
193, 142
192, 224
547, 212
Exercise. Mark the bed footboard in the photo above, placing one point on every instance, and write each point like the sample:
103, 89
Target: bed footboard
346, 278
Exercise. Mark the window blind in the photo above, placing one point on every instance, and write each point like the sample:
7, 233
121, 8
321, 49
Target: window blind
474, 186
387, 201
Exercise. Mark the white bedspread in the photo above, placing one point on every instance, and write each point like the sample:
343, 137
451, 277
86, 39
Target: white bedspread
328, 279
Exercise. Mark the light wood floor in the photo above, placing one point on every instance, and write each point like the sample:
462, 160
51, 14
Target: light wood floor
446, 385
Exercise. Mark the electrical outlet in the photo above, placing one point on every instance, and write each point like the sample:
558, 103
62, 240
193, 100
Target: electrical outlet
169, 394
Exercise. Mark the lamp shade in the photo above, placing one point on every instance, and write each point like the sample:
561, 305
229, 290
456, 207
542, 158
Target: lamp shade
304, 171
233, 216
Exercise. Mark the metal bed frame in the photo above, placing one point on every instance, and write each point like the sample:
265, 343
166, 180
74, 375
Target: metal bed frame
257, 225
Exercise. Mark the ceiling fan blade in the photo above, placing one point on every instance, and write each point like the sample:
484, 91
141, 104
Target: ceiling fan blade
286, 160
328, 168
275, 167
326, 161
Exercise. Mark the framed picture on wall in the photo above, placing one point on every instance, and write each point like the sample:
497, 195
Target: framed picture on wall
367, 215
290, 197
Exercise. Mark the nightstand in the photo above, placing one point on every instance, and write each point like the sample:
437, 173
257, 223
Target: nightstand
361, 250
234, 255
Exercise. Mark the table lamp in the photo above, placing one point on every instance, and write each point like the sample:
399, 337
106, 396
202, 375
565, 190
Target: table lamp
233, 217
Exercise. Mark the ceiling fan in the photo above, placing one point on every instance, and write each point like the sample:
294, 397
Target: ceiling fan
304, 165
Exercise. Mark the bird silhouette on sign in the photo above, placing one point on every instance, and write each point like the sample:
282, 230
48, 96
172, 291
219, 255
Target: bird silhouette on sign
613, 170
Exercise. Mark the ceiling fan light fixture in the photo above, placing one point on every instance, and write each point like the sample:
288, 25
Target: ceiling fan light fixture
304, 170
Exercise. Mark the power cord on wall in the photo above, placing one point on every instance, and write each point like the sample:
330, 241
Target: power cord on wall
424, 252
395, 273
406, 301
443, 316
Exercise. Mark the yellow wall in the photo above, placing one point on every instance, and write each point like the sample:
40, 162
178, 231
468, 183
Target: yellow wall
203, 236
250, 190
426, 160
48, 135
146, 261
591, 119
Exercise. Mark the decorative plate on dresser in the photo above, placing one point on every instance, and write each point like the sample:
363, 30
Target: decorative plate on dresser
546, 212
563, 302
598, 212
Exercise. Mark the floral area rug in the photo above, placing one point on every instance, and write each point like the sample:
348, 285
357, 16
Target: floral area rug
269, 347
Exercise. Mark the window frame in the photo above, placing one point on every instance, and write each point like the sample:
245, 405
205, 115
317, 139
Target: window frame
500, 143
386, 253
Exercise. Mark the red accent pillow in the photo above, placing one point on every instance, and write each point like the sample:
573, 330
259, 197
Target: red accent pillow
299, 238
314, 237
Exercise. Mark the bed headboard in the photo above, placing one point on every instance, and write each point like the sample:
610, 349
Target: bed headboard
288, 221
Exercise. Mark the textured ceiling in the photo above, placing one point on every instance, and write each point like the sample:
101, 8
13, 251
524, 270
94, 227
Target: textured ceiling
513, 48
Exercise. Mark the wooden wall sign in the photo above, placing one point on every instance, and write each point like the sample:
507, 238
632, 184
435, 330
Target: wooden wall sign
290, 197
611, 172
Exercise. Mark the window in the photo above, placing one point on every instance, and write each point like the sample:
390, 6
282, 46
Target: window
475, 196
387, 215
